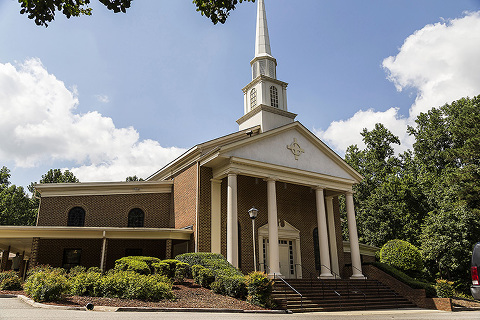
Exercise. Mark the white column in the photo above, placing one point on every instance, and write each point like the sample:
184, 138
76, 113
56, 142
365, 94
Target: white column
273, 249
353, 235
232, 220
332, 235
298, 259
323, 235
216, 219
104, 247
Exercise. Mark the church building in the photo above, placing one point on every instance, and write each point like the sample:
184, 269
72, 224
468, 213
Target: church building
273, 167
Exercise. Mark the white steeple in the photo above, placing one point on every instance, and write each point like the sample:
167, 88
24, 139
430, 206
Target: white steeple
262, 40
265, 97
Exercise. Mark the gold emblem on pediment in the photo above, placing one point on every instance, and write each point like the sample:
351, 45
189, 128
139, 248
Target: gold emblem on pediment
295, 148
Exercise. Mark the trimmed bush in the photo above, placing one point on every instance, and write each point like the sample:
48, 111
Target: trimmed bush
444, 289
233, 286
181, 271
228, 280
401, 276
76, 270
85, 284
9, 280
401, 255
131, 264
259, 288
161, 268
94, 269
132, 285
203, 276
46, 285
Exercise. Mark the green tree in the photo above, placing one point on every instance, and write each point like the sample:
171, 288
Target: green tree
16, 207
52, 176
446, 154
388, 204
133, 178
43, 11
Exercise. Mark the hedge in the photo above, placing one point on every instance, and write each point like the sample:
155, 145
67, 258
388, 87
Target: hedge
399, 275
47, 284
401, 255
9, 280
227, 279
132, 285
259, 288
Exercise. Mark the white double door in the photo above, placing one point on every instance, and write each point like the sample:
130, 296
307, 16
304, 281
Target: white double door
286, 257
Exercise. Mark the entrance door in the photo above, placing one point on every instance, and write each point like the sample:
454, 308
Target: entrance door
286, 257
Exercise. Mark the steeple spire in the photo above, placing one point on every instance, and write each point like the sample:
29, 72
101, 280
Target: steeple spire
262, 40
265, 97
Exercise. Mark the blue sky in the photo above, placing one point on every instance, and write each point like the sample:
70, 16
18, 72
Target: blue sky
114, 95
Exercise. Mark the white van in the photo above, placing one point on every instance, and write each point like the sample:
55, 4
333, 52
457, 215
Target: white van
475, 288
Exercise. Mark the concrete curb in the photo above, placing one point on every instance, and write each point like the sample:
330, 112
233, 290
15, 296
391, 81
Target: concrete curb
32, 303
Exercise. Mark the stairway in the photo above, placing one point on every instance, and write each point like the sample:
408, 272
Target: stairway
337, 295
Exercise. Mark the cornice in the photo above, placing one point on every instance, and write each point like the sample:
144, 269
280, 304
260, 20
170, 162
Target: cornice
265, 108
264, 78
103, 188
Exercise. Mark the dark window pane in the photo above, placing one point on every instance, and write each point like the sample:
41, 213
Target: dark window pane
76, 217
71, 258
136, 218
133, 252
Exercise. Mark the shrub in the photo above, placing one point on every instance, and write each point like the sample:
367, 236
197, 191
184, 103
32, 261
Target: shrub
399, 275
132, 264
444, 289
46, 285
94, 269
9, 280
203, 276
85, 284
233, 286
259, 288
161, 268
132, 285
181, 271
228, 280
401, 255
76, 270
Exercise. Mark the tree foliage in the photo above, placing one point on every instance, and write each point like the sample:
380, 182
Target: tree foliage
429, 196
16, 207
133, 178
52, 176
43, 11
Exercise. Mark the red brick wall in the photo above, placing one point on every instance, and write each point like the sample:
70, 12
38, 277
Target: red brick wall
50, 251
107, 210
204, 212
185, 199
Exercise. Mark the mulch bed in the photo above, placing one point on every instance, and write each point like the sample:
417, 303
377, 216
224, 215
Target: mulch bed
469, 304
188, 295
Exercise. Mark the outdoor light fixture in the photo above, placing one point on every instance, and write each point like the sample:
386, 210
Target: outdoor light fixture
253, 214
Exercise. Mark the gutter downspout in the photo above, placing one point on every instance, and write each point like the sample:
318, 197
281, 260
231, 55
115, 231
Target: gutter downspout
197, 206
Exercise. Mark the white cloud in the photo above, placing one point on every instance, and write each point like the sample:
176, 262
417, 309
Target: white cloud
341, 134
103, 98
38, 125
440, 62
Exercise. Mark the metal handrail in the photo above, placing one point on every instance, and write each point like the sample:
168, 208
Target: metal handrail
331, 271
357, 291
339, 298
364, 278
288, 284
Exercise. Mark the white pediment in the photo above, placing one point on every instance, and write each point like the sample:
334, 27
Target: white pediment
292, 147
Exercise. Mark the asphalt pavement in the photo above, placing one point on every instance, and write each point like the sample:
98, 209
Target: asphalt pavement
16, 309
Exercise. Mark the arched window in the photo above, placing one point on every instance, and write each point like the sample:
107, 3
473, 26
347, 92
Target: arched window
76, 217
273, 96
253, 98
316, 249
136, 218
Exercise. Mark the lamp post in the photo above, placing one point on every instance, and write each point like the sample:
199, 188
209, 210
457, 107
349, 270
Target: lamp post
253, 214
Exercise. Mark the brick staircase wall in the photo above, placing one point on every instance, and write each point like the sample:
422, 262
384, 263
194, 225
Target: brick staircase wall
416, 296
